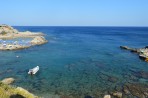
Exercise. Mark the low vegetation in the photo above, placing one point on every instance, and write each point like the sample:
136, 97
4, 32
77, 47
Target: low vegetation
3, 33
7, 91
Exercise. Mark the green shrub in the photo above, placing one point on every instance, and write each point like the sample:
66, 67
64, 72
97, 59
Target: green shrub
3, 33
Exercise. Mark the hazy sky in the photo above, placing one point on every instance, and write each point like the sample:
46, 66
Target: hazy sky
74, 12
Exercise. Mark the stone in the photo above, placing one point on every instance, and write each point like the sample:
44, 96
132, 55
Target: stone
107, 96
8, 80
117, 94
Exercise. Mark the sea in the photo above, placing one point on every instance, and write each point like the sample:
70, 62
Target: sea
77, 62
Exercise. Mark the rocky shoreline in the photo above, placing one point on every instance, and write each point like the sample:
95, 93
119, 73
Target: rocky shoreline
142, 52
8, 91
9, 33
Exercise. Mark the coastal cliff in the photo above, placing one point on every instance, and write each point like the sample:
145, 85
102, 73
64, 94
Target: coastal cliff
9, 33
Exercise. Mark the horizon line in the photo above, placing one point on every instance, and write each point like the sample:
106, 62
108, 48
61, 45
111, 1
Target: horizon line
72, 26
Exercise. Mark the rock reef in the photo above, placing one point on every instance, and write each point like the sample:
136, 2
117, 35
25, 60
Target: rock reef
9, 33
142, 52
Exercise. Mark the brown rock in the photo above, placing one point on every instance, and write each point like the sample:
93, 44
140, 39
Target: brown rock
8, 80
117, 94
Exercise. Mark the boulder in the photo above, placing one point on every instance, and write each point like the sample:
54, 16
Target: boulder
107, 96
38, 40
117, 94
8, 80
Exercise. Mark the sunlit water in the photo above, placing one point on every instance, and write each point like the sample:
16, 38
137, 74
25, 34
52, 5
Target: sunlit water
77, 60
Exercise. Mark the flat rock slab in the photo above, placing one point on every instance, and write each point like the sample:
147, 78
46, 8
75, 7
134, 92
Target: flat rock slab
8, 80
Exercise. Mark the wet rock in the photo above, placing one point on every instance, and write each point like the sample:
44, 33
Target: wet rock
125, 90
138, 90
128, 48
103, 77
8, 80
144, 74
107, 96
146, 46
118, 88
117, 94
88, 97
125, 47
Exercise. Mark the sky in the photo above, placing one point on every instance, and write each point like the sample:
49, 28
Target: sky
74, 12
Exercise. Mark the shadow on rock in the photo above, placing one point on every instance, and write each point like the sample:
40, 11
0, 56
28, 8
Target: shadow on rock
17, 96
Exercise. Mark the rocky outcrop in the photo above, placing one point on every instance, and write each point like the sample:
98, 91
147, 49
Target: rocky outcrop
8, 32
142, 52
38, 40
8, 80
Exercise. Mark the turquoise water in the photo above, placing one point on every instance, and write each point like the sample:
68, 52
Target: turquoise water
77, 61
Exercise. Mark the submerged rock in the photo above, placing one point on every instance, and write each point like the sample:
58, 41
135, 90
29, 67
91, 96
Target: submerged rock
112, 79
8, 80
137, 89
140, 74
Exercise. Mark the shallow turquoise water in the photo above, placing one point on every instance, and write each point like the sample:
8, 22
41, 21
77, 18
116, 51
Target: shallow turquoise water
77, 61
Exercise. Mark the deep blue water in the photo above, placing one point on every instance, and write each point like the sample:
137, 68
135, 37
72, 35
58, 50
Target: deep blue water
77, 61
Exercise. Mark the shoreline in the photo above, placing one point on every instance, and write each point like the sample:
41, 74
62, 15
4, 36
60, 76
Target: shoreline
9, 33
